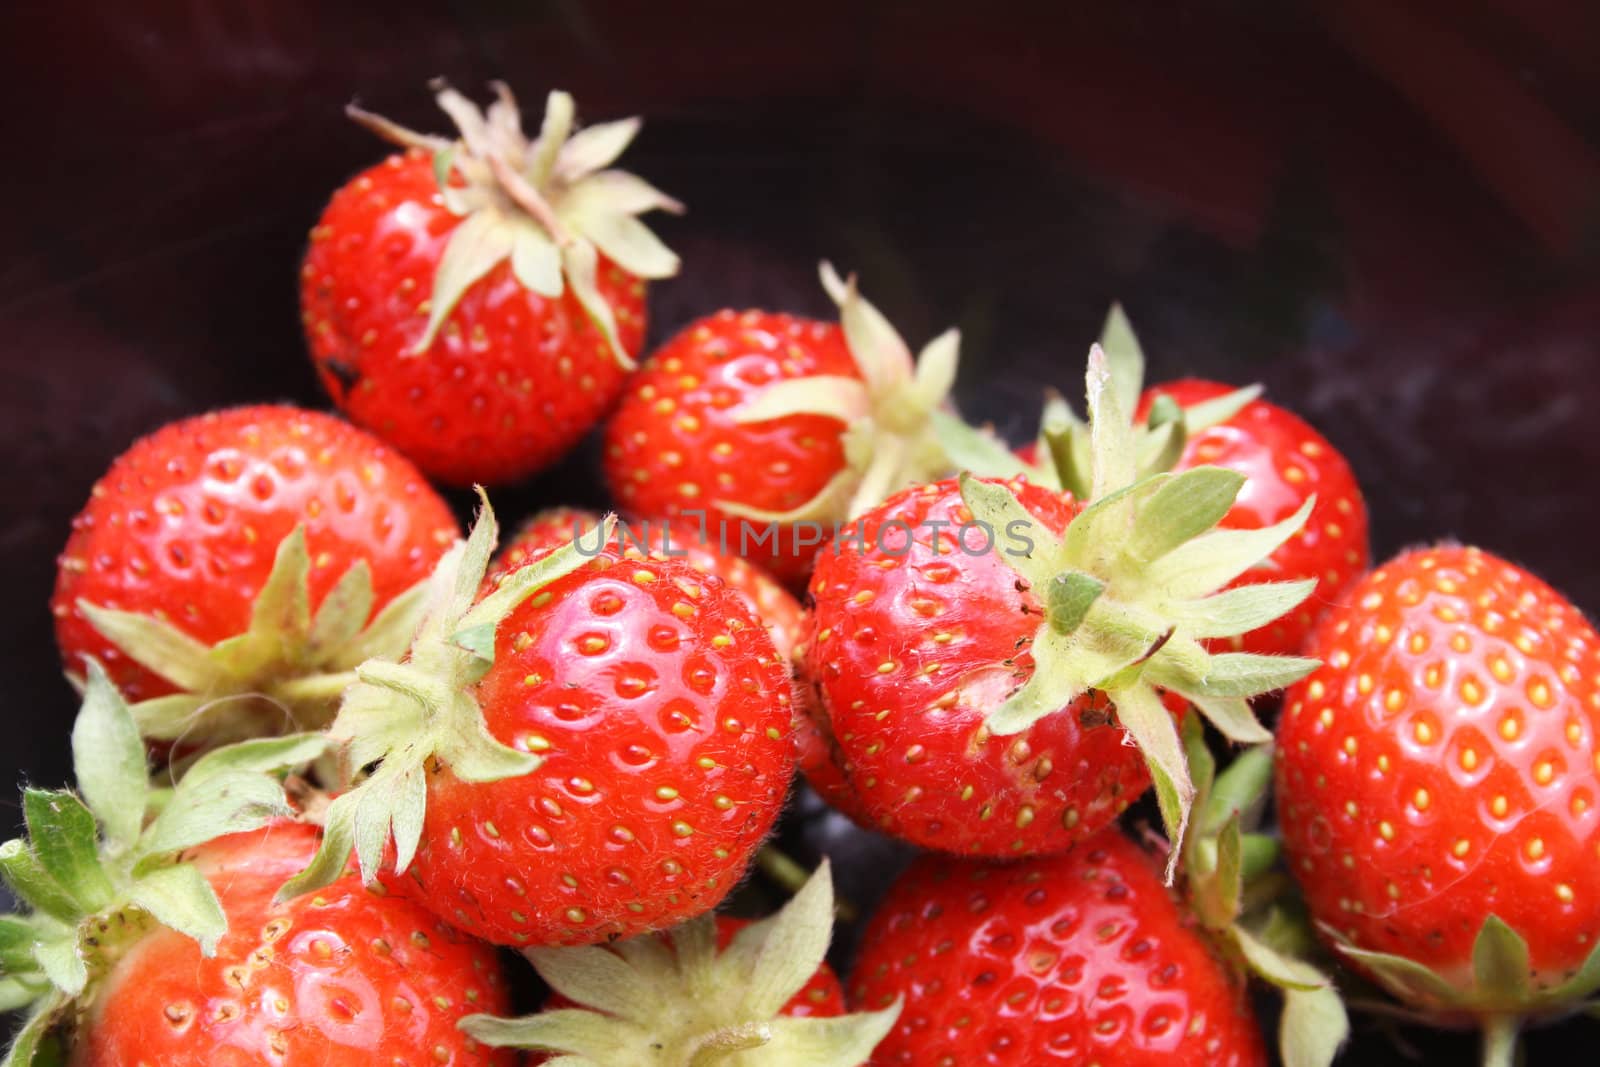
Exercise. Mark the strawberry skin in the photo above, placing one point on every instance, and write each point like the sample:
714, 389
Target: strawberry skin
767, 600
185, 524
345, 977
1078, 959
673, 443
1286, 462
510, 382
663, 717
913, 649
1442, 765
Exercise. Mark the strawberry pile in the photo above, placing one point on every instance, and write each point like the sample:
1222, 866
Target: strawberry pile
347, 780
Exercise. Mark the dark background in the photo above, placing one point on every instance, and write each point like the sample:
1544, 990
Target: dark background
1388, 213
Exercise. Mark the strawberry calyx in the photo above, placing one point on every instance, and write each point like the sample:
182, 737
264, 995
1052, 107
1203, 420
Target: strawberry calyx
550, 205
1064, 444
1131, 594
100, 868
418, 707
674, 1000
900, 429
1234, 893
288, 667
1501, 998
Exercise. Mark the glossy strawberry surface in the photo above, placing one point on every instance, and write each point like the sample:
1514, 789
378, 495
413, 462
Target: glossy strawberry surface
186, 523
1285, 462
1443, 765
915, 642
674, 445
663, 718
1074, 960
342, 978
513, 378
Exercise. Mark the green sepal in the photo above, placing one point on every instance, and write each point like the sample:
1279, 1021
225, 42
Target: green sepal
66, 840
418, 707
36, 1043
550, 205
288, 666
899, 428
675, 998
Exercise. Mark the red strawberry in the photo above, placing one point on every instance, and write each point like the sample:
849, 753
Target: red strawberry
1080, 959
772, 428
1189, 423
204, 562
345, 977
983, 651
592, 750
478, 302
1286, 463
1438, 779
713, 990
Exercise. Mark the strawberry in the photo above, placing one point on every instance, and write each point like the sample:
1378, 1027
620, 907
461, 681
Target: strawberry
712, 991
772, 428
111, 904
1437, 781
592, 750
984, 650
257, 550
1077, 959
1188, 423
347, 977
478, 302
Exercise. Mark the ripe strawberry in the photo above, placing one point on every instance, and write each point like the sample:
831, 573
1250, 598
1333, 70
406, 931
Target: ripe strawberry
1078, 959
712, 991
257, 550
1437, 782
592, 750
110, 906
772, 428
983, 650
347, 977
1286, 463
478, 302
1189, 423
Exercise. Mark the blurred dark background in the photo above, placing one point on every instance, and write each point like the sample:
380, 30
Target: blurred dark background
1386, 212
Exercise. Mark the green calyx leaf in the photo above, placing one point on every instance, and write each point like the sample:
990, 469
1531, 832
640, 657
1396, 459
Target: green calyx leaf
1157, 444
97, 872
1122, 617
674, 999
1503, 983
551, 206
899, 427
420, 705
285, 672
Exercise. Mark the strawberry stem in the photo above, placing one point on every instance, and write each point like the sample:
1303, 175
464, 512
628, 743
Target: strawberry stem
529, 199
1500, 1040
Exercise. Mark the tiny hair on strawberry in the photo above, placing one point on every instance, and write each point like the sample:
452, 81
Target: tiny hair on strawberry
1000, 665
231, 569
477, 301
594, 747
711, 992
